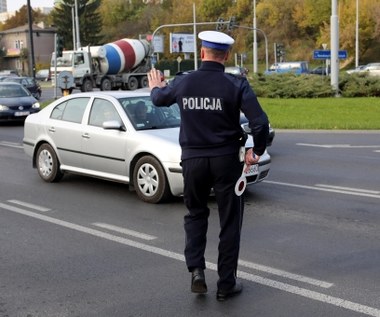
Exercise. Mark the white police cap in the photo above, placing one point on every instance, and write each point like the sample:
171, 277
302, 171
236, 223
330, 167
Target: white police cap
216, 40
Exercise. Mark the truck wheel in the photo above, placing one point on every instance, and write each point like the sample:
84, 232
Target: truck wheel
150, 180
132, 83
87, 85
47, 163
106, 84
144, 82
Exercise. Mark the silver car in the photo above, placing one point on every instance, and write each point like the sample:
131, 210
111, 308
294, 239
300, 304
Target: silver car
115, 135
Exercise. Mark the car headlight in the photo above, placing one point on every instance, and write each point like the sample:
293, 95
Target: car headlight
36, 105
4, 108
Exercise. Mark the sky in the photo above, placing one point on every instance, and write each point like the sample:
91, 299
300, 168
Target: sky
13, 5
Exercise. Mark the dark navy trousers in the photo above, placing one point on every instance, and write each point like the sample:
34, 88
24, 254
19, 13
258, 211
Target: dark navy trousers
200, 176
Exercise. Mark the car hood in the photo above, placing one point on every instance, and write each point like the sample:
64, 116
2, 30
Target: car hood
18, 101
153, 141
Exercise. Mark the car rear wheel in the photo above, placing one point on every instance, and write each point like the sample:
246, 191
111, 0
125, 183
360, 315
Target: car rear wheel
47, 164
150, 180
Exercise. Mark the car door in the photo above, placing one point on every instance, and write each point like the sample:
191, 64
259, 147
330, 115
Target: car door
65, 130
104, 149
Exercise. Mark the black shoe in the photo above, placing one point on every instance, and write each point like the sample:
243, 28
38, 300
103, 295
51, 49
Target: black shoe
223, 295
198, 281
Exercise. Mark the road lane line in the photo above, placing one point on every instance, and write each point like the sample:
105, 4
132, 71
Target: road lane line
339, 302
128, 232
285, 274
323, 189
28, 205
349, 189
11, 144
340, 146
335, 301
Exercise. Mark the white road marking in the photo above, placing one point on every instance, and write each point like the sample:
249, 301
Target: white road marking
358, 190
28, 205
344, 146
331, 190
124, 231
339, 302
285, 274
11, 144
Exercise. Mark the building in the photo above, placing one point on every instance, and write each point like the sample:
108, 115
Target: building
15, 44
3, 6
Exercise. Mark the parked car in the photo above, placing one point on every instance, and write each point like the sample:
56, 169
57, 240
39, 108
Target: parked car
9, 72
43, 75
247, 129
321, 70
372, 69
356, 69
16, 102
297, 68
29, 83
236, 70
98, 134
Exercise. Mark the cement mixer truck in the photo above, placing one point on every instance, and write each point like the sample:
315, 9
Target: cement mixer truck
119, 65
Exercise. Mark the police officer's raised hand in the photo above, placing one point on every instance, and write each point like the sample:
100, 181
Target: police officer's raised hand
251, 158
155, 79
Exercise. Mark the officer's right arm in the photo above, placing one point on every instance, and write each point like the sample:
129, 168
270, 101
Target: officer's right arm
258, 120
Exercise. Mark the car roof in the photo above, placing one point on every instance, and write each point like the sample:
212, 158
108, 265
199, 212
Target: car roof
115, 93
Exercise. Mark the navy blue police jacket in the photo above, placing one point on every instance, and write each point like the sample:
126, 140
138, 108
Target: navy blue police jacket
210, 102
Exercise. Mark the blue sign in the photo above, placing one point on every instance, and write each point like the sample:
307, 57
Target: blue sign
326, 54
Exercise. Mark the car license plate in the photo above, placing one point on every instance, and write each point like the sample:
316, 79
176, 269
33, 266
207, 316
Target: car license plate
22, 113
253, 170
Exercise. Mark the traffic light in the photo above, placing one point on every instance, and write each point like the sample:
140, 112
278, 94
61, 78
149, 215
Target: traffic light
59, 46
220, 25
232, 23
280, 50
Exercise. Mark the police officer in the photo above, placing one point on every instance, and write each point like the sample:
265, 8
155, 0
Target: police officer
210, 102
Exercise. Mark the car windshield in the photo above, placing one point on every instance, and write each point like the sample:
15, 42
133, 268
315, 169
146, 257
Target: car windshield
11, 91
144, 115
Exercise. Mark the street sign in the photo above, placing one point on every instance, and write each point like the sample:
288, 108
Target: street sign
326, 54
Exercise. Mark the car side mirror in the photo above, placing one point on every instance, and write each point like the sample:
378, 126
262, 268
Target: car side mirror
113, 125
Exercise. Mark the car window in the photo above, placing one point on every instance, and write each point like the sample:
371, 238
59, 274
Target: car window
102, 110
71, 110
11, 91
155, 117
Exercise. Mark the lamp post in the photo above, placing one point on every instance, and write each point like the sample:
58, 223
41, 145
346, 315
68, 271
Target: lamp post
32, 65
334, 47
77, 25
254, 38
357, 35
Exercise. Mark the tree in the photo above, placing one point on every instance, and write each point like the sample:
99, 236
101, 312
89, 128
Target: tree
90, 21
125, 18
21, 18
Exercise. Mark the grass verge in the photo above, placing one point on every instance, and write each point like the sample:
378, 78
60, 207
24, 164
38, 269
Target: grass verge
323, 113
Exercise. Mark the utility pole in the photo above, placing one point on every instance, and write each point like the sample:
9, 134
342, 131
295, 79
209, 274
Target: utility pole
334, 47
32, 65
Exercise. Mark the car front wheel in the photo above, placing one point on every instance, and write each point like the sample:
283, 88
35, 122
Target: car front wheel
150, 180
47, 164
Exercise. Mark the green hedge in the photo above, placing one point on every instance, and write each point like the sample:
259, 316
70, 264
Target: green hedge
296, 86
314, 86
